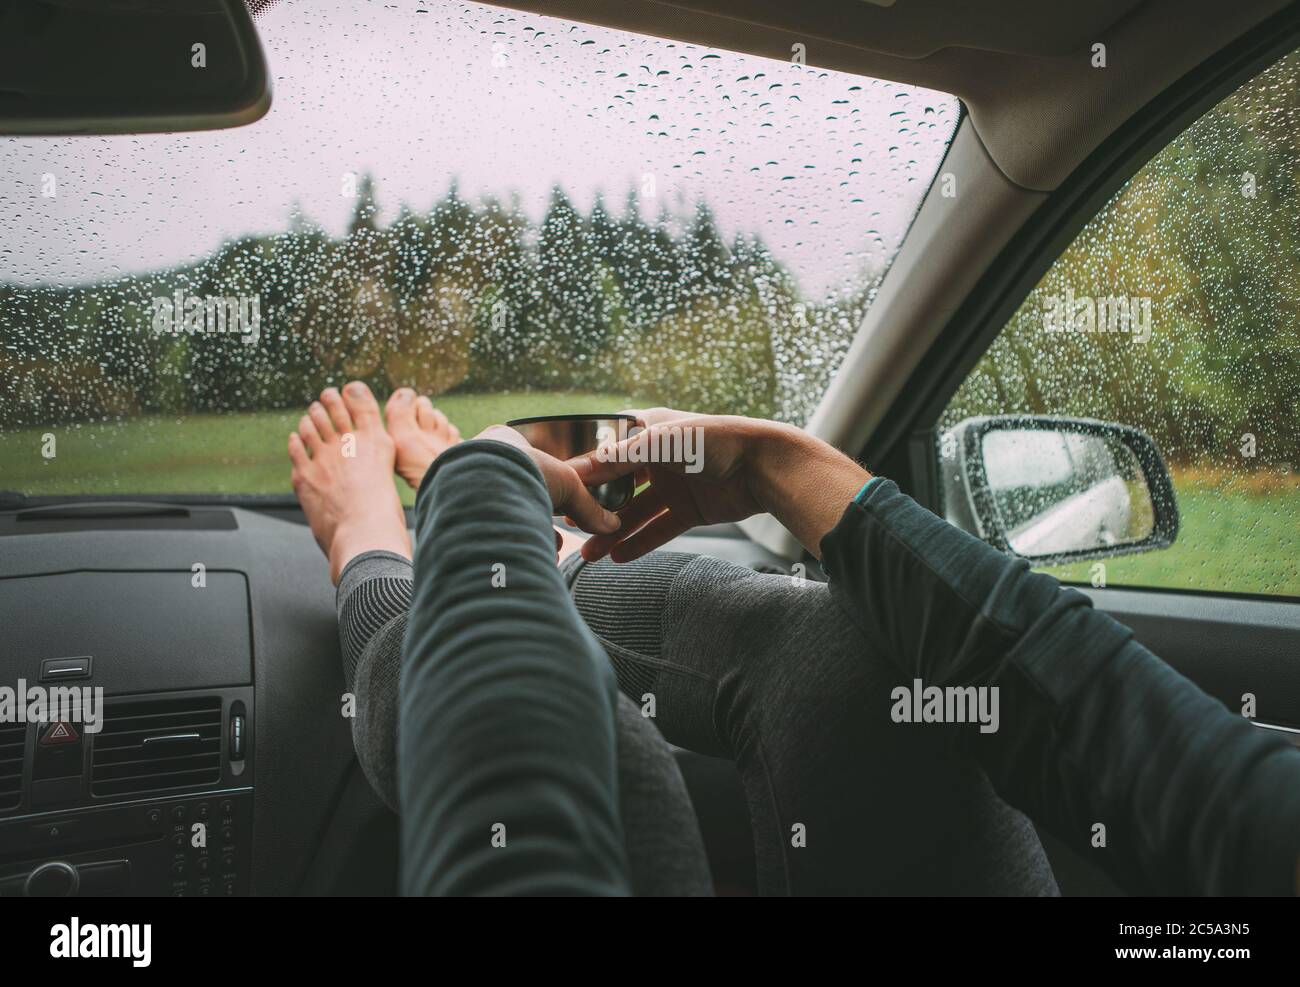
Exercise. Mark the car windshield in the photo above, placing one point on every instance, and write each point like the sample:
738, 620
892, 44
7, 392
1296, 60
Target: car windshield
514, 214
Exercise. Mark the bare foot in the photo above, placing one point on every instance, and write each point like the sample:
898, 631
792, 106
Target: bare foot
420, 431
343, 477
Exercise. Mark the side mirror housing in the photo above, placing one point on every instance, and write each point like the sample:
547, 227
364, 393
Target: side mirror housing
1052, 489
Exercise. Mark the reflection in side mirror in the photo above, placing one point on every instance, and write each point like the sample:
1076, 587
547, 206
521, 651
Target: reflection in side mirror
1058, 489
1065, 492
122, 66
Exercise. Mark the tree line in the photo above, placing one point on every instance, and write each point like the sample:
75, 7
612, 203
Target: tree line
466, 297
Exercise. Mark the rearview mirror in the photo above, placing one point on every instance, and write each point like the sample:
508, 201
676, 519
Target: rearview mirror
1055, 489
128, 66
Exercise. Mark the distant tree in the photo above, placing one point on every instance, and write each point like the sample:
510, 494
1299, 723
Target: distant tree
365, 213
570, 306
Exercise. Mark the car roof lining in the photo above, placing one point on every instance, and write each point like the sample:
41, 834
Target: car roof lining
1023, 69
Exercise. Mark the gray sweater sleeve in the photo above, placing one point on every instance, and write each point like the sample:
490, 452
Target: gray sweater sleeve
1095, 729
506, 771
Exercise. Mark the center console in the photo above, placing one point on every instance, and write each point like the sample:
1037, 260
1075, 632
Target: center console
152, 792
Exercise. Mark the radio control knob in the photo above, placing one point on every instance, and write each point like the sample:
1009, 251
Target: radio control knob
53, 880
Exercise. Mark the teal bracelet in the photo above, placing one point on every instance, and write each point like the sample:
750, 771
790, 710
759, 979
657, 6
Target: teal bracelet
865, 487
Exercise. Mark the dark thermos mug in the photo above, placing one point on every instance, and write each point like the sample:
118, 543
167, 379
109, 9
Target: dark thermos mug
566, 436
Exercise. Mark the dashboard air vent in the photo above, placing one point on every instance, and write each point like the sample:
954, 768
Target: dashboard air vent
13, 743
153, 745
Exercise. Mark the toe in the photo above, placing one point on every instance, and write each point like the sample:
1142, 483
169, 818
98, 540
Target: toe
297, 451
338, 411
362, 405
310, 437
321, 419
400, 409
429, 417
424, 412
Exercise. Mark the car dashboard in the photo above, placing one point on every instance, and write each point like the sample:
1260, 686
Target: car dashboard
222, 762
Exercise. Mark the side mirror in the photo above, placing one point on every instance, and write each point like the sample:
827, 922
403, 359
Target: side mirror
122, 66
1055, 490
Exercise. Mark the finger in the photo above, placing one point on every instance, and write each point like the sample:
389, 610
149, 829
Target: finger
339, 417
310, 437
655, 416
644, 507
641, 509
297, 451
321, 419
621, 458
577, 502
593, 550
656, 534
603, 465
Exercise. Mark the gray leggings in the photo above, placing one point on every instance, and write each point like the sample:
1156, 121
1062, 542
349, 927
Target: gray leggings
767, 672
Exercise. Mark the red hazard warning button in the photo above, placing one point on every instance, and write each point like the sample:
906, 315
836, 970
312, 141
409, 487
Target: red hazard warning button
61, 732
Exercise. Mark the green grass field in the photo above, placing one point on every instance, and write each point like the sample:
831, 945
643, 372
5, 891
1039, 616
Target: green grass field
1230, 540
1233, 538
238, 453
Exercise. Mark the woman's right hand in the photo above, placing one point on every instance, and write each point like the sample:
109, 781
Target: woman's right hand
709, 469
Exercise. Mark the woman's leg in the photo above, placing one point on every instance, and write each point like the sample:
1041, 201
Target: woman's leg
768, 671
664, 849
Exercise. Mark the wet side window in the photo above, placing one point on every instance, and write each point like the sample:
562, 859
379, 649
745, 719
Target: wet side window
1177, 310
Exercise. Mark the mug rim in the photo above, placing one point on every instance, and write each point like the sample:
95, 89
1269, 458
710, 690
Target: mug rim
570, 418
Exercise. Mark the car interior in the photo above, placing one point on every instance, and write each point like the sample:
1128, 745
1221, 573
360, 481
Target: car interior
237, 688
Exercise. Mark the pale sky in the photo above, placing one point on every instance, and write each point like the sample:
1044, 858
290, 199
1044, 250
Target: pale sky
827, 167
